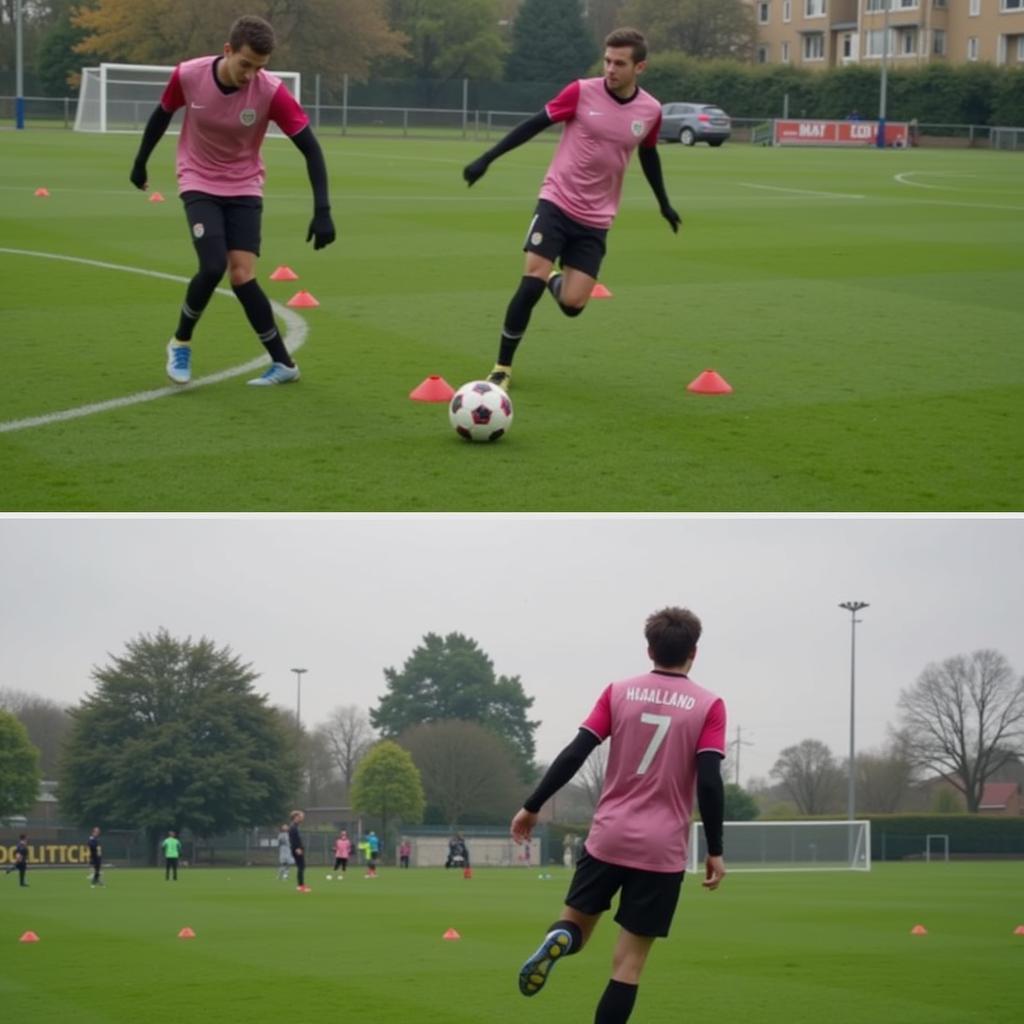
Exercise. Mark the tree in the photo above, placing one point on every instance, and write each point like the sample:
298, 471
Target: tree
964, 718
449, 38
58, 64
810, 775
316, 35
739, 804
387, 786
467, 771
46, 722
347, 736
19, 768
451, 677
550, 42
884, 777
175, 736
700, 28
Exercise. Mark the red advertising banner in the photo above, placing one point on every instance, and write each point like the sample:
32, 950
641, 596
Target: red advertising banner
839, 133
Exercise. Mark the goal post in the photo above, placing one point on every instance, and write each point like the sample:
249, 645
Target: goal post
120, 97
788, 846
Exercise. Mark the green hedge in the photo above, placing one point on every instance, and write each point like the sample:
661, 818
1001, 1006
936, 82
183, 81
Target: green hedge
978, 93
902, 836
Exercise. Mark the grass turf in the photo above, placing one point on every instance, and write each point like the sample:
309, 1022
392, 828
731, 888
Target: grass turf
864, 305
772, 948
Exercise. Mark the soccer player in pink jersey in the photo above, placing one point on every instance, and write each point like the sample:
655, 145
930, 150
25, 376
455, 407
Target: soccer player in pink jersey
668, 738
605, 119
230, 100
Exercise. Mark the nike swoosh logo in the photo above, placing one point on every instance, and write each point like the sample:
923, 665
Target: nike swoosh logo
596, 113
198, 106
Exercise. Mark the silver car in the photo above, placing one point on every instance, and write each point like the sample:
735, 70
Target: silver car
690, 123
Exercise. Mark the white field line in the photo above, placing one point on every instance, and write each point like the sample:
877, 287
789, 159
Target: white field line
904, 179
801, 191
295, 336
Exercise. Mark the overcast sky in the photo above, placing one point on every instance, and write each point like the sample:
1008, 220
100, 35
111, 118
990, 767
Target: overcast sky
558, 601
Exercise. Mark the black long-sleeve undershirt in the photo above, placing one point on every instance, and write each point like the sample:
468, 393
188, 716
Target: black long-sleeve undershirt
308, 145
523, 132
650, 163
157, 124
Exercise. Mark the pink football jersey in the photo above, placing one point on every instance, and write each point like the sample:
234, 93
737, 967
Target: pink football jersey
585, 176
219, 146
658, 723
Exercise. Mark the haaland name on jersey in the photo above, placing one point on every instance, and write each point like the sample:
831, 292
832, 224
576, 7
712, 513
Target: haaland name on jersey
669, 698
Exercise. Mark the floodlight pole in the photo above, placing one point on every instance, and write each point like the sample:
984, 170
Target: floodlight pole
852, 607
299, 672
19, 63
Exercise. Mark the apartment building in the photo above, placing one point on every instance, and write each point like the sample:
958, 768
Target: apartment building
829, 33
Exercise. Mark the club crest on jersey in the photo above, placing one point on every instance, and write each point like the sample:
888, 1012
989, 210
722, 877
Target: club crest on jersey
198, 230
247, 117
536, 238
637, 128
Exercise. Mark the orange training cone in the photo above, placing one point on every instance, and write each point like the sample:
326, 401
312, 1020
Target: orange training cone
156, 197
709, 383
451, 934
919, 929
467, 873
186, 933
600, 292
42, 192
432, 389
1019, 930
29, 937
302, 300
284, 273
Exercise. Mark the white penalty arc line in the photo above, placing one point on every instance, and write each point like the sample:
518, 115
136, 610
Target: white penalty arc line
295, 336
904, 179
801, 191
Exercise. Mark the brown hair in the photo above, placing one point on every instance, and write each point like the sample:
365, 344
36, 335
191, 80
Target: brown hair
252, 31
672, 635
629, 37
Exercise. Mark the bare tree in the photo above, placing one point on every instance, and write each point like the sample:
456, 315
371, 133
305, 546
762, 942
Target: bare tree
465, 768
810, 775
46, 722
884, 776
964, 718
347, 736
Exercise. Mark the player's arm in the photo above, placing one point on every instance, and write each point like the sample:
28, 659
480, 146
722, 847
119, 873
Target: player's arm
650, 162
711, 801
559, 772
321, 227
172, 98
523, 132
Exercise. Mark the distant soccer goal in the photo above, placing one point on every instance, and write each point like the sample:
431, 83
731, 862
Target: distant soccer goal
120, 97
788, 846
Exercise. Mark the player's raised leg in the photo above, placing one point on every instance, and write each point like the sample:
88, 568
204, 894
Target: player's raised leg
517, 317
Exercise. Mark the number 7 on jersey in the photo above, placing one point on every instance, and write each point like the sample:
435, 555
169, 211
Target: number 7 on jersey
662, 722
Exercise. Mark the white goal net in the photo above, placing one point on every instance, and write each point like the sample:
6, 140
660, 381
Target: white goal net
120, 97
788, 846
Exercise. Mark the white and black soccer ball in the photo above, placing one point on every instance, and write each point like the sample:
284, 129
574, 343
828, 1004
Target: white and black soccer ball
480, 411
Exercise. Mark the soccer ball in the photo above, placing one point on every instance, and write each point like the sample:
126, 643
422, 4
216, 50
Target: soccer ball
330, 878
480, 411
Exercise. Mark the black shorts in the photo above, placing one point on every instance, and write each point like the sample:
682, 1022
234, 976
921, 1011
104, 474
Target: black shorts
648, 898
555, 235
236, 219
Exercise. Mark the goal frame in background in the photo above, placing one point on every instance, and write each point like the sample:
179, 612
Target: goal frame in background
94, 113
944, 836
850, 839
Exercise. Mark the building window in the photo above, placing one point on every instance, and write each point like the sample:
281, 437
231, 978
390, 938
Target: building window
764, 12
787, 11
785, 53
847, 45
908, 42
1012, 5
972, 48
906, 5
1020, 49
875, 5
762, 54
873, 42
975, 8
938, 3
814, 46
814, 8
939, 43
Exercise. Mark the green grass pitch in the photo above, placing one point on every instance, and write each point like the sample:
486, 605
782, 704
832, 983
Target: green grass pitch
865, 306
775, 949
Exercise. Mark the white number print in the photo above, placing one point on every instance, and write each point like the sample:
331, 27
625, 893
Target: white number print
662, 722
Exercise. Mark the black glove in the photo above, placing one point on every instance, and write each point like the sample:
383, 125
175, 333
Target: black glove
138, 176
321, 228
475, 171
673, 218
